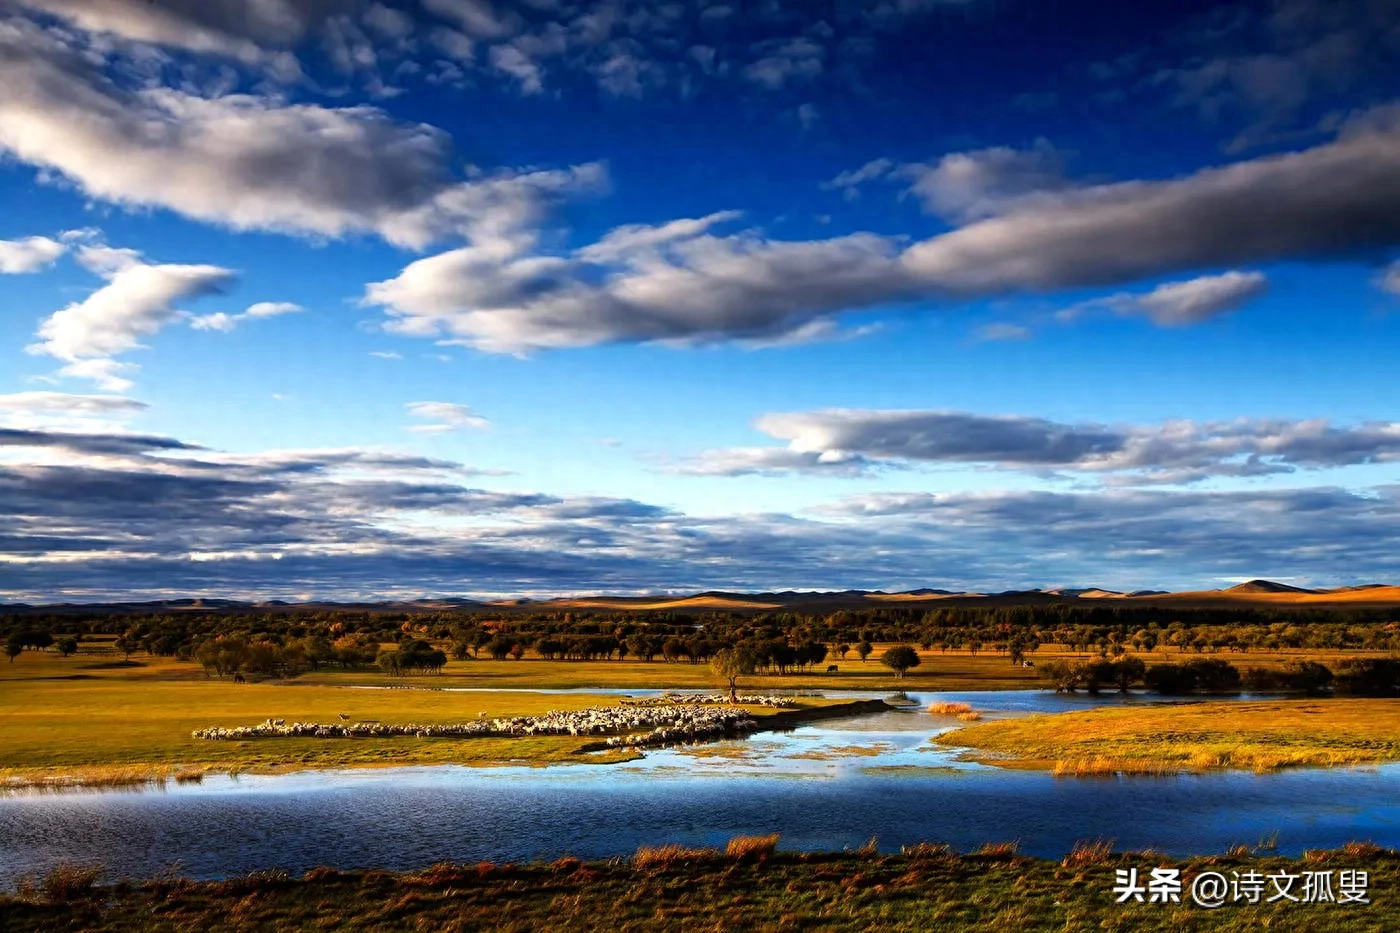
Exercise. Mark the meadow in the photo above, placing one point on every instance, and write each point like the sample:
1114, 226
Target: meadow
747, 886
1180, 737
97, 718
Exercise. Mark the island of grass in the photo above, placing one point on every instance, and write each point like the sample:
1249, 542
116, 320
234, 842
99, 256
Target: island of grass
747, 886
1191, 737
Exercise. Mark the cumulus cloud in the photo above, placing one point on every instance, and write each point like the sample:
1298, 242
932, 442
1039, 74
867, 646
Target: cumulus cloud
65, 403
850, 441
783, 61
668, 283
682, 282
138, 300
966, 186
250, 162
444, 416
226, 322
30, 254
91, 443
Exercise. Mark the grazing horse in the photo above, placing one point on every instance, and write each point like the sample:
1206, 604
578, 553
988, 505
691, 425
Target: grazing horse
239, 679
831, 668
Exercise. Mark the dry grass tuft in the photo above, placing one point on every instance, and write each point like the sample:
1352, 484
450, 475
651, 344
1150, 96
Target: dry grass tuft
1239, 850
928, 850
949, 709
67, 882
999, 849
190, 776
972, 716
754, 847
664, 858
1087, 853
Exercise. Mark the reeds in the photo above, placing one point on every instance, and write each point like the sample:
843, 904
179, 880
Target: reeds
949, 709
664, 858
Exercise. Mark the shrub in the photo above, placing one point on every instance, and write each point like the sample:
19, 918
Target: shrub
70, 882
1370, 677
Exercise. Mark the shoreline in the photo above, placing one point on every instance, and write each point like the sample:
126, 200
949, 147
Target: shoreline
745, 885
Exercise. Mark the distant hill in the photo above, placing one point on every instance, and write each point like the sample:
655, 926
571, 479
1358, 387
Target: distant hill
1253, 592
1266, 586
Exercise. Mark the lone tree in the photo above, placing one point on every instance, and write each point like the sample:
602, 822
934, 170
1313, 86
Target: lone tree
863, 649
900, 658
730, 664
13, 647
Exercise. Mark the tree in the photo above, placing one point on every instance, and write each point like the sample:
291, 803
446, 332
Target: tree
899, 659
67, 646
730, 664
863, 649
13, 647
843, 649
126, 644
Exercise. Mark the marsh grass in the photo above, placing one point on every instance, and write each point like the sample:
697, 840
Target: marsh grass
1192, 737
949, 709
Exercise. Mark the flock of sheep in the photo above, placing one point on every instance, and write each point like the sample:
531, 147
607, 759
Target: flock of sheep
673, 720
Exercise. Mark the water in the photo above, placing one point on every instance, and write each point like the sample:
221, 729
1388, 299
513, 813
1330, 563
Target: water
824, 786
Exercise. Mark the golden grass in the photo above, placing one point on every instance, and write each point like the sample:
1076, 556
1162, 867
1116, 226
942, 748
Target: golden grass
1172, 738
668, 857
949, 709
77, 721
752, 847
1085, 853
970, 716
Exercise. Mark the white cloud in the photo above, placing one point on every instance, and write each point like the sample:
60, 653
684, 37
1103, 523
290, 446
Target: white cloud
386, 354
445, 416
30, 254
966, 186
138, 300
843, 441
227, 322
251, 162
680, 283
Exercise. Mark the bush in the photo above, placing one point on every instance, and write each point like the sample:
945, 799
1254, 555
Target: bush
70, 882
1370, 677
1202, 675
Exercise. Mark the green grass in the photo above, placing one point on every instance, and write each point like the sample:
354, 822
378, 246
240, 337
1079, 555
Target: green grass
746, 888
84, 721
1165, 738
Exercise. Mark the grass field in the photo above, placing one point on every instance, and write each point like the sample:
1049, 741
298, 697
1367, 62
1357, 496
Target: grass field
1168, 738
673, 889
93, 718
85, 721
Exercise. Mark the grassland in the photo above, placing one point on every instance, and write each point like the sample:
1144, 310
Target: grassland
92, 718
85, 721
745, 888
1256, 736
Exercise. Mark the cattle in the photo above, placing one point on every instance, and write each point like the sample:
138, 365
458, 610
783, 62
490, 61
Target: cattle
239, 679
831, 668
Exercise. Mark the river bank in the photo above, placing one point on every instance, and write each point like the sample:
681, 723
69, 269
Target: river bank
745, 886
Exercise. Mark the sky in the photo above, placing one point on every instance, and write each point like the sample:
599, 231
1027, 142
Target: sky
347, 299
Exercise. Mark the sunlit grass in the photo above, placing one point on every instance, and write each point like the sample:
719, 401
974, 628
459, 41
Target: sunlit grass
1190, 737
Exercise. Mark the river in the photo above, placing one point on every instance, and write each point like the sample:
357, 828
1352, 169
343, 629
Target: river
827, 785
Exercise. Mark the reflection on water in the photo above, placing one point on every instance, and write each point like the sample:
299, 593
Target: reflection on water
822, 786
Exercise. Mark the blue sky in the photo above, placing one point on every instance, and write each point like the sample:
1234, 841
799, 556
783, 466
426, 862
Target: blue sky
345, 298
